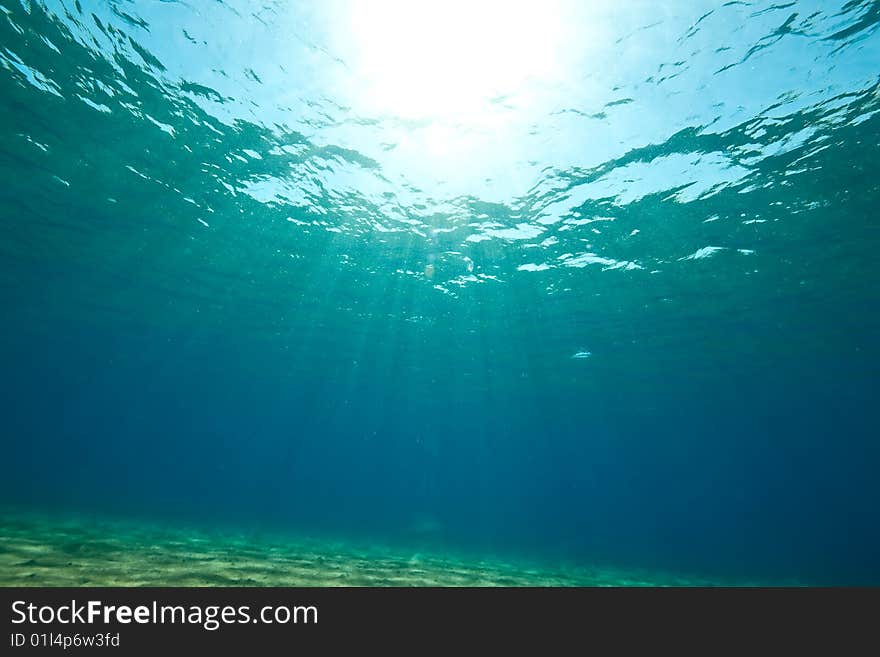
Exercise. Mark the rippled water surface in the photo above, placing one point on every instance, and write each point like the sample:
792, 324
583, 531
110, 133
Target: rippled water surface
594, 281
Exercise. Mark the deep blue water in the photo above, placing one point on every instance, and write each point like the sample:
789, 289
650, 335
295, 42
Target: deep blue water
326, 268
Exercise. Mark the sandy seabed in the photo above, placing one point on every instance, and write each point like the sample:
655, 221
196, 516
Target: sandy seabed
72, 550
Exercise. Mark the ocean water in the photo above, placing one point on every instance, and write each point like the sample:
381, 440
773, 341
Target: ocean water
502, 289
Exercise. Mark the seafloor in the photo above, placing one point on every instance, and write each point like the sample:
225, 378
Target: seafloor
76, 550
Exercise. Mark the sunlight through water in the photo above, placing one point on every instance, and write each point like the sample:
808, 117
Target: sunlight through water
595, 279
450, 59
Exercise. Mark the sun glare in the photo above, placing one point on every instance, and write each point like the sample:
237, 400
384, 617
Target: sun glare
449, 59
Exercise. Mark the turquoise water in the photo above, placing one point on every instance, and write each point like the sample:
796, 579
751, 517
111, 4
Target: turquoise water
583, 282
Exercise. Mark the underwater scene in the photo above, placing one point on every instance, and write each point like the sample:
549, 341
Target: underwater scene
442, 292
